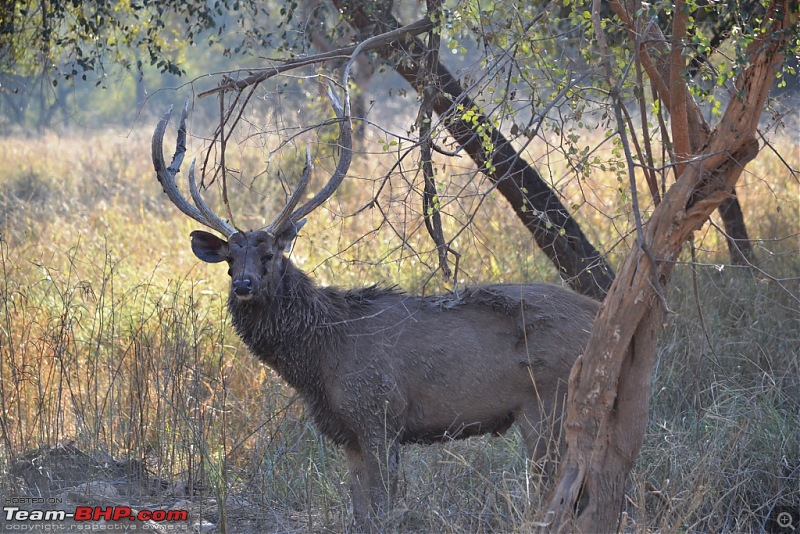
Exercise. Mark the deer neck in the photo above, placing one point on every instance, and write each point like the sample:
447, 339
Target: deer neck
289, 327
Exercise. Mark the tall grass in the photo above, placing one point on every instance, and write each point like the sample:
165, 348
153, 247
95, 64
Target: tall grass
115, 339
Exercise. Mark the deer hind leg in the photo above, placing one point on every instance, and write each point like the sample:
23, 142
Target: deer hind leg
540, 425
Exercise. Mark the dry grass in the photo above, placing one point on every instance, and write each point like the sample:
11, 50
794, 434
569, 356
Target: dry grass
115, 339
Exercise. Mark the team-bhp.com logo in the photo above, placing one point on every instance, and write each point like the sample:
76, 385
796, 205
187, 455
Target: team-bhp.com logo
93, 513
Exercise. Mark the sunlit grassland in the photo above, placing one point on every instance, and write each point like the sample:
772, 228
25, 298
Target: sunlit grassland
114, 336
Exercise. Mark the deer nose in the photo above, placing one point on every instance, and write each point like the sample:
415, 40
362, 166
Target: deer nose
242, 286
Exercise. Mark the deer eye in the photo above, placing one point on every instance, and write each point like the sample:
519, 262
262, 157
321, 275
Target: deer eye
266, 259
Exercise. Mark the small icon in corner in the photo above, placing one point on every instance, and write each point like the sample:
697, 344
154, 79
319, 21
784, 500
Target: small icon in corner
785, 520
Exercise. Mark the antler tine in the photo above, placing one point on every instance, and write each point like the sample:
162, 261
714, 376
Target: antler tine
345, 156
212, 219
166, 175
276, 225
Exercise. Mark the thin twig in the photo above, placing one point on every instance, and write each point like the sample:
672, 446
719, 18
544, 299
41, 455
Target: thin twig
795, 172
649, 174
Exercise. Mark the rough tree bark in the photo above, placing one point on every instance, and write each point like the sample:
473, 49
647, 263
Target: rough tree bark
609, 385
538, 207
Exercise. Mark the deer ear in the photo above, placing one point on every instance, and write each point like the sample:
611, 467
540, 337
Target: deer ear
285, 238
208, 247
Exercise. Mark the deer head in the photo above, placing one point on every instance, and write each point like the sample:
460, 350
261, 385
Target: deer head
255, 257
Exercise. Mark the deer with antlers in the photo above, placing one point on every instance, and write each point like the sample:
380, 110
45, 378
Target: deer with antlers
376, 367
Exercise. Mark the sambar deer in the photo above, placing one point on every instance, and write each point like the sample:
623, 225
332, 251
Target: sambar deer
376, 367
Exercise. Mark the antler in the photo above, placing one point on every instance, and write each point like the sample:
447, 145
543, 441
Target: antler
203, 214
200, 211
287, 216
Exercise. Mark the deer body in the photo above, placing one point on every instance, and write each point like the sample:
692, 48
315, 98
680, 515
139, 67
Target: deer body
376, 367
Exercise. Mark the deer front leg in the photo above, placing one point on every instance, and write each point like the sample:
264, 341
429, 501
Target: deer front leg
373, 482
359, 485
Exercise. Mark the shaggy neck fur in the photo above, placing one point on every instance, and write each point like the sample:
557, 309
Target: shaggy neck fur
295, 326
292, 325
285, 327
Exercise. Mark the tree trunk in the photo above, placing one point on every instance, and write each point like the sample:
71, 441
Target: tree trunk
739, 246
609, 385
538, 207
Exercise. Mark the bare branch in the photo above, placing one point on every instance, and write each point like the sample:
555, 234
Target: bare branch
431, 204
678, 92
649, 172
409, 30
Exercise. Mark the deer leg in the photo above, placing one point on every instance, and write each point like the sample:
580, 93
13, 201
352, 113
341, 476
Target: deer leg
359, 484
541, 431
381, 465
373, 483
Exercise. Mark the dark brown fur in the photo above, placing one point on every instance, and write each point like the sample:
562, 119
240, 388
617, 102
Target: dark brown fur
378, 368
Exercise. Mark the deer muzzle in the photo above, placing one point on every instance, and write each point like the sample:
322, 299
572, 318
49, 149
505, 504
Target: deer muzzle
242, 288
